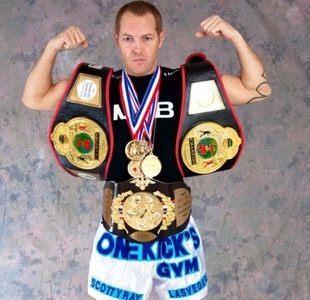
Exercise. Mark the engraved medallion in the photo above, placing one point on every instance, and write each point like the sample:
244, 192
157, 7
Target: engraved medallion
134, 168
207, 146
136, 150
151, 166
142, 211
82, 141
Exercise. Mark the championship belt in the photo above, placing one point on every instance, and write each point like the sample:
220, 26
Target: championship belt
146, 214
79, 131
210, 137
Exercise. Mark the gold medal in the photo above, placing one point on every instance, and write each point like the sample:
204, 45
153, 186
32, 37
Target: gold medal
136, 150
207, 146
134, 168
151, 166
82, 141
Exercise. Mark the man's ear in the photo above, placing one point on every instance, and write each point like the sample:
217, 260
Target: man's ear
162, 36
115, 37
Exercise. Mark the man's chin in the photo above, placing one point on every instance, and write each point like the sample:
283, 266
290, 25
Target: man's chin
138, 72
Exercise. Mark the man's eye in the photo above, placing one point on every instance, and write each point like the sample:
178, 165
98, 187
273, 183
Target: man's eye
148, 38
127, 39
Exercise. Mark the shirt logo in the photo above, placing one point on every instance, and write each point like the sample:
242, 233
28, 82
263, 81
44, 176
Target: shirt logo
164, 111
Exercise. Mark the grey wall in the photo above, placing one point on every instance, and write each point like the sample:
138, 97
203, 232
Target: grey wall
254, 219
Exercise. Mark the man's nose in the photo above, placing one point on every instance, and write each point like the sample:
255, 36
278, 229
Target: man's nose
138, 47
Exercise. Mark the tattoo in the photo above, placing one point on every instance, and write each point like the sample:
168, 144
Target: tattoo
261, 95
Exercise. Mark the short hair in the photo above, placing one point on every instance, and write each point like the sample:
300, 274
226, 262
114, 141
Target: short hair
139, 8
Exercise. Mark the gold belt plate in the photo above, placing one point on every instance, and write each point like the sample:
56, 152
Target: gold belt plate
143, 211
82, 141
207, 146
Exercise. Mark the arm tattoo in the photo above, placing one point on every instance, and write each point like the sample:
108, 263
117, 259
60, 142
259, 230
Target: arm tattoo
261, 95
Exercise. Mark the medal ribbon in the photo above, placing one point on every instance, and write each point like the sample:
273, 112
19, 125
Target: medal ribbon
140, 117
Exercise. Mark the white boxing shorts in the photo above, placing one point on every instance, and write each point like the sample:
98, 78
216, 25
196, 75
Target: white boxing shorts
171, 268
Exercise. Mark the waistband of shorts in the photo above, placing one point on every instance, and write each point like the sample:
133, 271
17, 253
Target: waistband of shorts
145, 215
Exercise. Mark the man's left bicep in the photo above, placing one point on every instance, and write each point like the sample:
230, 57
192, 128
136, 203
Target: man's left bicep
239, 94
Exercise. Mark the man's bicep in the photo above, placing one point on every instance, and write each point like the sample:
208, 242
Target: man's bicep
239, 94
53, 96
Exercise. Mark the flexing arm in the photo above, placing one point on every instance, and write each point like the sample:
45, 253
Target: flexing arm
40, 92
251, 85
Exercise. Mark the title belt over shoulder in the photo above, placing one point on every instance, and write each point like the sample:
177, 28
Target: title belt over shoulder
210, 133
158, 211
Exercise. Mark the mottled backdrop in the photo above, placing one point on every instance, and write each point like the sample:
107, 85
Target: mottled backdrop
254, 219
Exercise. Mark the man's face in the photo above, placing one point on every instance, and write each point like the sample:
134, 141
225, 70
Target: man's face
139, 43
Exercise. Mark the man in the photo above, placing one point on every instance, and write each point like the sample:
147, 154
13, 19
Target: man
173, 265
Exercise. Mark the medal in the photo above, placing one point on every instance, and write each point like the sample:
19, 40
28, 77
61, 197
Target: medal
140, 118
151, 166
136, 150
134, 168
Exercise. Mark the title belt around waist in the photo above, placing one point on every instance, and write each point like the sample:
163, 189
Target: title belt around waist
161, 210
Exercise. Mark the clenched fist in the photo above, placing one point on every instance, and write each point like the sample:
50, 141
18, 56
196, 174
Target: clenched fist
70, 38
217, 27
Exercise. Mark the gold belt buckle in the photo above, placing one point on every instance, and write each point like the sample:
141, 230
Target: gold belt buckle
142, 212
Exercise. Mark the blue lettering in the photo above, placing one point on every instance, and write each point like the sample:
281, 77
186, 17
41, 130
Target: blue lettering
133, 249
102, 287
177, 294
179, 249
170, 247
112, 291
195, 237
191, 266
121, 248
98, 283
177, 268
163, 270
118, 293
166, 251
189, 290
93, 283
105, 239
147, 252
132, 297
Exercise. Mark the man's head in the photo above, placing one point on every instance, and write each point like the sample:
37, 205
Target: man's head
139, 8
139, 35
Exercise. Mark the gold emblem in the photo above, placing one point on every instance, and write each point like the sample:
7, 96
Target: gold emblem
143, 211
136, 150
207, 146
82, 141
86, 90
151, 166
141, 182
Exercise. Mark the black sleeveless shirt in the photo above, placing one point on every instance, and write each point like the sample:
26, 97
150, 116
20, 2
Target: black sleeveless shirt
164, 128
